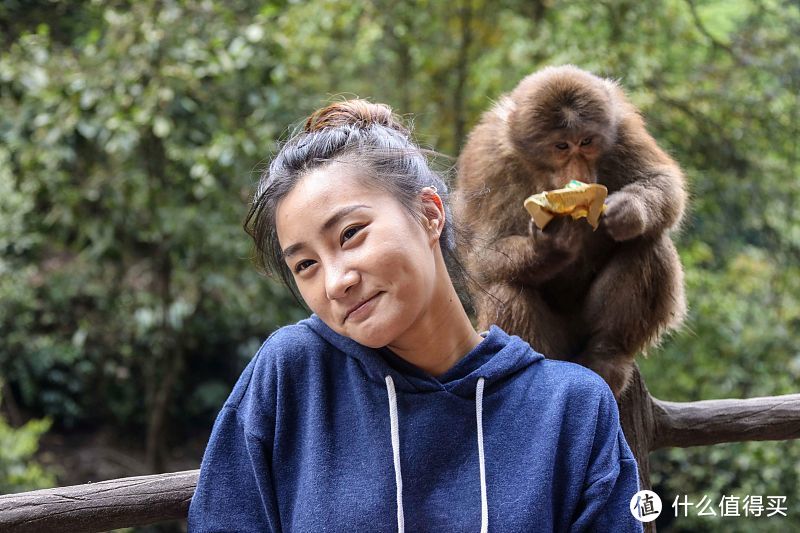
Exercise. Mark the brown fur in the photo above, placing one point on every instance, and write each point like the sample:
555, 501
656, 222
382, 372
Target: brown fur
596, 298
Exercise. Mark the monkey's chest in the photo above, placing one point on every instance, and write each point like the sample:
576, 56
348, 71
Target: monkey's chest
565, 296
567, 292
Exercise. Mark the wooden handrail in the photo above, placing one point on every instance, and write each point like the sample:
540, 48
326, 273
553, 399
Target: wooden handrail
100, 506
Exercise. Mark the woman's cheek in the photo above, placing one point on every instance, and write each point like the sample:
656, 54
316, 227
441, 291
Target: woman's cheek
314, 295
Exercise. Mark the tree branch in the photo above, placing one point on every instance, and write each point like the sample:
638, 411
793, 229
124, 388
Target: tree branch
698, 22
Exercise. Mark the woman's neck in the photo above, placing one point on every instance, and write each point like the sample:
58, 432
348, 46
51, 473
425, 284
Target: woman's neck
441, 337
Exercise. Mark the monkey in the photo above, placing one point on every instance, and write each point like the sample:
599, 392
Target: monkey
597, 298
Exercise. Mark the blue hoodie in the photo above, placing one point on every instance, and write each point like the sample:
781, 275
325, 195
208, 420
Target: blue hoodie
321, 433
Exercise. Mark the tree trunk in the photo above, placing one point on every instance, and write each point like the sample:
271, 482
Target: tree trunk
171, 361
462, 72
638, 424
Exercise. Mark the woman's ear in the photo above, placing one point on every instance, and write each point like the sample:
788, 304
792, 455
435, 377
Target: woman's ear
432, 210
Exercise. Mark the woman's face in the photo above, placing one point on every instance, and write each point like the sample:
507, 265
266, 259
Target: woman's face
360, 261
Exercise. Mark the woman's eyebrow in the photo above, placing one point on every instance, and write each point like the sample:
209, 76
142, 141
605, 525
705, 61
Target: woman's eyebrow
336, 217
340, 214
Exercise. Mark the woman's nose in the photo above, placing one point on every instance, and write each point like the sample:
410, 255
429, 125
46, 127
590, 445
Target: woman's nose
338, 280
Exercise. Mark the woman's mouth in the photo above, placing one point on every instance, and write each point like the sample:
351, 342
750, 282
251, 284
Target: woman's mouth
362, 310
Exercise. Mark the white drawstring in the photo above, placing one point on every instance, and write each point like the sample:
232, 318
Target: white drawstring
479, 416
396, 453
398, 479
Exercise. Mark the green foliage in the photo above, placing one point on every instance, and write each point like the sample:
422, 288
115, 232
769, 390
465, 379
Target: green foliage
18, 471
126, 161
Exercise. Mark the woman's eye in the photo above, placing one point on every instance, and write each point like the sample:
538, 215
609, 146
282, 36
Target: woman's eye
349, 233
302, 265
562, 146
586, 141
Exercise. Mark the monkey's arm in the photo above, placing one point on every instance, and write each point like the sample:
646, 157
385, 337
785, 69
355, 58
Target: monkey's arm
514, 259
527, 259
652, 195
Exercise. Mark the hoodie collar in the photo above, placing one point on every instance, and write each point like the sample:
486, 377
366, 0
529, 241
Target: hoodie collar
495, 358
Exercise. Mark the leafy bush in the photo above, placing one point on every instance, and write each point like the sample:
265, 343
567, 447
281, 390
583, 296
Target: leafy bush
19, 471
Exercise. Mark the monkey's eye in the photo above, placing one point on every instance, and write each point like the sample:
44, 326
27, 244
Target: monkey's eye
586, 141
562, 146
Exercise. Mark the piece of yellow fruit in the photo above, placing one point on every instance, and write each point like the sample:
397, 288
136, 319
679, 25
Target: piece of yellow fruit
577, 199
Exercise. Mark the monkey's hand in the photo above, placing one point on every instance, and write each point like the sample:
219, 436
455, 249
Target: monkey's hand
562, 236
625, 216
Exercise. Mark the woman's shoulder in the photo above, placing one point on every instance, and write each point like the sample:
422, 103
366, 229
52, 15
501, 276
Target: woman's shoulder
573, 380
285, 348
581, 400
554, 376
289, 342
292, 333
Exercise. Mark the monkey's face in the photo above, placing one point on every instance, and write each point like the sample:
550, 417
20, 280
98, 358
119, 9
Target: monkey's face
560, 155
563, 121
573, 156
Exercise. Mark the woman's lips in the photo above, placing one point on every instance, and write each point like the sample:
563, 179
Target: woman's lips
361, 312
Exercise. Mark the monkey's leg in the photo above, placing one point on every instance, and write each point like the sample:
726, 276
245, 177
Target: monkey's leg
521, 311
633, 300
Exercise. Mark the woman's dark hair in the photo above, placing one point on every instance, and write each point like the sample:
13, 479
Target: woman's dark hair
355, 132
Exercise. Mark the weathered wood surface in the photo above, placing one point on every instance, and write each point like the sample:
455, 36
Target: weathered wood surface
684, 424
100, 506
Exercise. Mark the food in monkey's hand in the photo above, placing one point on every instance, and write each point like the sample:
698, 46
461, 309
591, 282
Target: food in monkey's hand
577, 199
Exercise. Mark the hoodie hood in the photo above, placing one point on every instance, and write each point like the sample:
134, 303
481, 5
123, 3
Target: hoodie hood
496, 358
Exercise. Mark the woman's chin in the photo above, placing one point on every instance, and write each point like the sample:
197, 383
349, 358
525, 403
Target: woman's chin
370, 339
373, 333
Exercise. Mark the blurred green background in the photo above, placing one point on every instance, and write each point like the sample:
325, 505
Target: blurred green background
131, 134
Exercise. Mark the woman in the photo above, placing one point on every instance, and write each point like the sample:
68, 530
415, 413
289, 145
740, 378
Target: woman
385, 410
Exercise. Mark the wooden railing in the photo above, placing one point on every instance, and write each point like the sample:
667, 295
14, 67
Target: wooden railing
100, 506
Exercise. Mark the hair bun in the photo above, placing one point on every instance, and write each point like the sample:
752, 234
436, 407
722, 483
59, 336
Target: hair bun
359, 113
